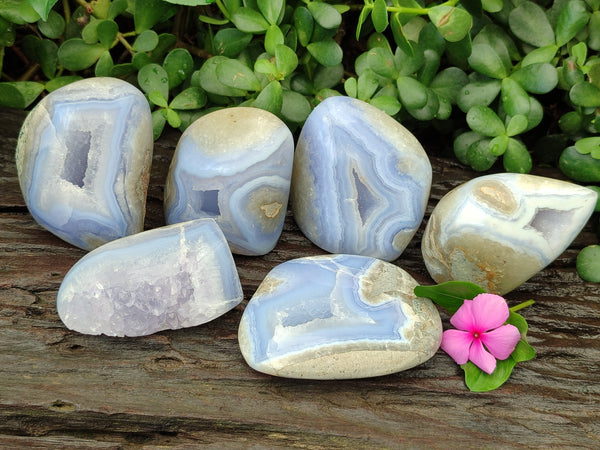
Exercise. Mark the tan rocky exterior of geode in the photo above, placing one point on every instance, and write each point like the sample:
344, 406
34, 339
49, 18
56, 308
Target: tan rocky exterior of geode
383, 282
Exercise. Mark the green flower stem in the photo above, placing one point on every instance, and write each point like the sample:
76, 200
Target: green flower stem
224, 11
421, 11
67, 10
127, 45
521, 306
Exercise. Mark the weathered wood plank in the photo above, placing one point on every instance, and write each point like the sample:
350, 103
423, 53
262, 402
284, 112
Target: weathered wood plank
192, 387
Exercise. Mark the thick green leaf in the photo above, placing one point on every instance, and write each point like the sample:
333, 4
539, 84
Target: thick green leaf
59, 82
579, 167
172, 117
154, 78
516, 125
286, 60
540, 55
579, 51
7, 34
492, 6
387, 103
514, 98
166, 41
529, 23
381, 61
75, 54
42, 51
351, 87
191, 2
104, 65
449, 295
362, 18
412, 93
589, 145
572, 18
485, 60
479, 381
593, 41
327, 52
230, 42
379, 16
571, 122
498, 145
236, 74
249, 20
462, 143
537, 78
516, 158
158, 123
596, 189
328, 77
585, 94
295, 107
479, 155
367, 85
478, 93
273, 38
485, 121
502, 43
271, 98
304, 24
190, 98
146, 41
409, 63
147, 13
588, 263
178, 64
449, 82
158, 99
107, 32
19, 94
271, 9
117, 7
430, 110
325, 15
53, 26
452, 23
18, 12
400, 37
535, 115
42, 7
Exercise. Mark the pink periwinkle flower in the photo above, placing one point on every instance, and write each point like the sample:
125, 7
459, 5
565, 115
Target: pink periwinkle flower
481, 335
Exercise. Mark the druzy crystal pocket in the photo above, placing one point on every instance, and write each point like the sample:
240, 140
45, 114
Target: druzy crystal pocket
361, 180
336, 317
234, 165
167, 278
499, 230
83, 159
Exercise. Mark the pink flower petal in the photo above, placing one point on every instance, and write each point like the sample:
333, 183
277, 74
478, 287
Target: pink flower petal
463, 317
481, 358
502, 341
457, 343
489, 311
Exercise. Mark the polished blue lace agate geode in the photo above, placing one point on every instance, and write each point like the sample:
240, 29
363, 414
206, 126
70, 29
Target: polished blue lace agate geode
83, 159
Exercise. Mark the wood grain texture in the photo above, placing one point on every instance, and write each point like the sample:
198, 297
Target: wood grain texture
192, 387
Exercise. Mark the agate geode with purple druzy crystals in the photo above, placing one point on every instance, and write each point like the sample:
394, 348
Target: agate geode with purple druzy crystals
83, 160
360, 182
166, 278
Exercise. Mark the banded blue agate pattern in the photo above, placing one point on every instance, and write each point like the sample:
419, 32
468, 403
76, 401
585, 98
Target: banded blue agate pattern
172, 277
83, 159
234, 165
335, 317
360, 182
499, 230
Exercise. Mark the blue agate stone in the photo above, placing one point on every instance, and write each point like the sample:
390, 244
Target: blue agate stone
233, 165
335, 317
172, 277
83, 160
361, 180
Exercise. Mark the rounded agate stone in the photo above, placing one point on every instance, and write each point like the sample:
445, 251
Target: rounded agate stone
499, 230
336, 317
83, 161
361, 180
233, 165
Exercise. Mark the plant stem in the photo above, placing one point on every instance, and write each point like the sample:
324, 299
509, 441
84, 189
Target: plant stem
522, 305
66, 10
126, 44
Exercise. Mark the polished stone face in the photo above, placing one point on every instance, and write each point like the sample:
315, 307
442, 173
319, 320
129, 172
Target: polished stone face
336, 317
83, 159
499, 230
361, 180
172, 277
234, 165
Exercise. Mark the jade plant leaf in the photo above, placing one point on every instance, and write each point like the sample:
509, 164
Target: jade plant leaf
154, 78
42, 7
271, 9
74, 54
529, 23
19, 94
379, 16
295, 107
326, 52
588, 263
53, 26
304, 24
452, 23
146, 41
485, 60
572, 18
589, 145
147, 13
585, 94
325, 15
236, 74
190, 98
516, 158
537, 78
249, 20
270, 98
485, 121
230, 42
179, 65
